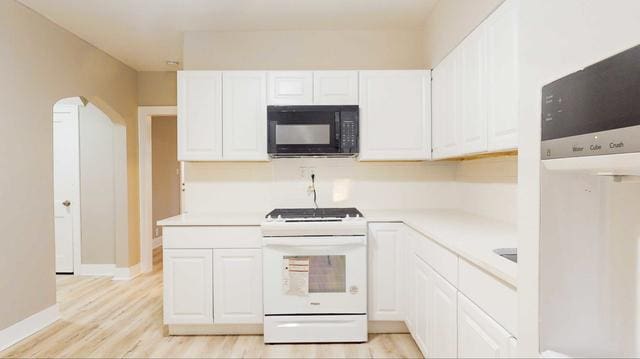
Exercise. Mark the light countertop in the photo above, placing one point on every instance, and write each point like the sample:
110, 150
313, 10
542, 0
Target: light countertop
470, 236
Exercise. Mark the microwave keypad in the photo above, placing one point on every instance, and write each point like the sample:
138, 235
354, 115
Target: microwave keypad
349, 138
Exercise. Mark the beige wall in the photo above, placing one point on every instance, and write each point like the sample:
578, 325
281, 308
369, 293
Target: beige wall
290, 50
157, 88
40, 64
449, 23
165, 177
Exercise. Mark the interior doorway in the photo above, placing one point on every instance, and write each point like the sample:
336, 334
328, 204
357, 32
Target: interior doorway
146, 115
90, 188
166, 172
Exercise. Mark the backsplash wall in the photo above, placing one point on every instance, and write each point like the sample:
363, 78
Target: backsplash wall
484, 186
339, 182
488, 187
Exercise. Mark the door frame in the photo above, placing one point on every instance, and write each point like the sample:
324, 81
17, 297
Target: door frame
145, 114
71, 105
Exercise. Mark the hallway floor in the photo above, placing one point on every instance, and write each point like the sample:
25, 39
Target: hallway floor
101, 318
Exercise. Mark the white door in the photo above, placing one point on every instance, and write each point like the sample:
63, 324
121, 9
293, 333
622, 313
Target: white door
474, 99
395, 115
386, 276
502, 77
290, 87
479, 336
237, 286
244, 116
446, 111
65, 183
188, 286
199, 115
443, 314
335, 87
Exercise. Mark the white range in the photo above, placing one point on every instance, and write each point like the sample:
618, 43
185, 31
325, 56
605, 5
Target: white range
315, 275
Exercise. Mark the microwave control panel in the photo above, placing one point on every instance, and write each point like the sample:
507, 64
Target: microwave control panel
349, 132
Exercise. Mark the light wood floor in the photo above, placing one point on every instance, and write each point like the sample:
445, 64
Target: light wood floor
102, 318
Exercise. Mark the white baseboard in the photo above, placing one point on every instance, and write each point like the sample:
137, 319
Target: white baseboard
106, 270
126, 273
26, 327
157, 242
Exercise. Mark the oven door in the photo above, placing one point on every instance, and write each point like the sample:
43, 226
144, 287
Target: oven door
308, 132
315, 275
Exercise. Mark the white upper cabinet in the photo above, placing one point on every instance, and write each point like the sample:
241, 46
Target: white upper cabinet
502, 77
290, 87
199, 115
474, 99
335, 87
237, 286
479, 336
386, 275
475, 90
395, 115
446, 112
244, 116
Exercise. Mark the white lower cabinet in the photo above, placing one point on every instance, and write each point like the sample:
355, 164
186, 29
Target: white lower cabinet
479, 336
188, 286
237, 286
212, 275
435, 313
443, 335
421, 285
385, 271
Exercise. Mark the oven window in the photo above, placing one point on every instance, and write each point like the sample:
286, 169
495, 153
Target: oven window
314, 274
327, 274
303, 134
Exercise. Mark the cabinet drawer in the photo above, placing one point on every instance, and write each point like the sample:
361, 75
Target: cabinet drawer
439, 258
495, 297
212, 237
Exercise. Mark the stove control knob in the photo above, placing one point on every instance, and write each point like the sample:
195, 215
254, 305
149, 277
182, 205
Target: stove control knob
279, 218
269, 218
347, 217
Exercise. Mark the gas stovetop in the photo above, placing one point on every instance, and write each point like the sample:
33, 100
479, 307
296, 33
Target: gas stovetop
319, 214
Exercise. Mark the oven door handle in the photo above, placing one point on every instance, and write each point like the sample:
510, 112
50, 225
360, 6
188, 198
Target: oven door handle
313, 241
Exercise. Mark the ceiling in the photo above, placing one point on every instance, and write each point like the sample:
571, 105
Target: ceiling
144, 34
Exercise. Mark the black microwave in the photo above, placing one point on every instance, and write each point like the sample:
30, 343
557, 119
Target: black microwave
595, 111
312, 131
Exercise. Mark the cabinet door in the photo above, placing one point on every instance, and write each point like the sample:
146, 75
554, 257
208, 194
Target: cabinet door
479, 336
502, 77
335, 88
386, 276
237, 286
446, 117
244, 116
443, 315
290, 87
422, 305
199, 115
473, 104
395, 115
188, 286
